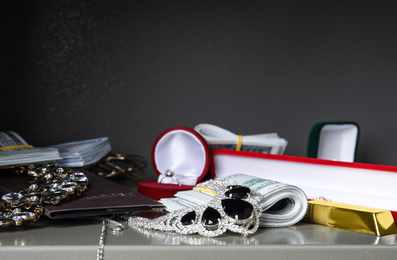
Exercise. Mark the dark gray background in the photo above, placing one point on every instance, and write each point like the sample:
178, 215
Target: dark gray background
74, 70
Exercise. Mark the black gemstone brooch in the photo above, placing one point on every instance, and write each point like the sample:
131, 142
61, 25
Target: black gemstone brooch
234, 207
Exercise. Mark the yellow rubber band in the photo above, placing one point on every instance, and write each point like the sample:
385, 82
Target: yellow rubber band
204, 189
239, 142
15, 147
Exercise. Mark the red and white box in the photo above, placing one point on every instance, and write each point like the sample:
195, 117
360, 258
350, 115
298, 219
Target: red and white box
361, 184
181, 158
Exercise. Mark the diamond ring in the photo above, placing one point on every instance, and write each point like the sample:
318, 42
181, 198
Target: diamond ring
169, 174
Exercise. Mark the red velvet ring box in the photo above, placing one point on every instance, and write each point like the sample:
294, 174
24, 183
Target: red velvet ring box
181, 158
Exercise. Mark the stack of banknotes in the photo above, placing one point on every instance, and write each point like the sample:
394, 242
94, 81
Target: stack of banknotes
282, 204
15, 151
81, 153
219, 138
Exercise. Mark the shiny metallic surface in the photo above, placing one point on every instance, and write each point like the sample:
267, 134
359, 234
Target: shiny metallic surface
67, 239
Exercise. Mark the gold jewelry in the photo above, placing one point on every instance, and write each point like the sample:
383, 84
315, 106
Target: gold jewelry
115, 164
49, 185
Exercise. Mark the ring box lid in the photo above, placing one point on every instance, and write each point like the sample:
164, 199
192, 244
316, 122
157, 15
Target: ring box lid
333, 140
182, 151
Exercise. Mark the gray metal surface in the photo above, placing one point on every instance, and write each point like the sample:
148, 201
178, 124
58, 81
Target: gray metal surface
78, 239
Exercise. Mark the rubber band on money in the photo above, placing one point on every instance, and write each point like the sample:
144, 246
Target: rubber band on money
15, 147
239, 142
204, 189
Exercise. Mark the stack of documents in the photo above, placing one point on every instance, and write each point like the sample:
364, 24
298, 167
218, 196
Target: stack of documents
282, 204
15, 151
219, 138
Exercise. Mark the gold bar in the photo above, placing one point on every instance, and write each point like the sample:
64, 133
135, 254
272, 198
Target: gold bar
350, 217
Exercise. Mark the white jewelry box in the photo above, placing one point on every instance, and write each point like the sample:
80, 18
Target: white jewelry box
333, 140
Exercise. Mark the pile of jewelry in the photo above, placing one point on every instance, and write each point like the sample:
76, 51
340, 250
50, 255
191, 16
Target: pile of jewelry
235, 208
49, 184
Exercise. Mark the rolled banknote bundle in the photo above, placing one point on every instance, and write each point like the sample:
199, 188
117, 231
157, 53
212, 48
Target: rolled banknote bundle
219, 138
282, 204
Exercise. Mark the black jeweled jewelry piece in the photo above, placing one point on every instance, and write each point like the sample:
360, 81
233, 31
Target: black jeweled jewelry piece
189, 218
211, 218
240, 210
238, 192
234, 207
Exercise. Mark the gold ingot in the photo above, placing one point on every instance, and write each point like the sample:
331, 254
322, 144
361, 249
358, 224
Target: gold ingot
350, 217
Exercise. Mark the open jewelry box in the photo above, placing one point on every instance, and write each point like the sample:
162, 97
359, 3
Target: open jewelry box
181, 158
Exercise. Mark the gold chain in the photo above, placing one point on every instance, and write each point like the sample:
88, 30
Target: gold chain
49, 184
